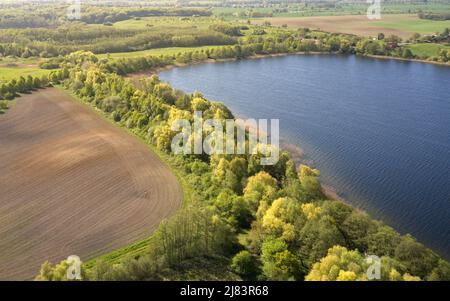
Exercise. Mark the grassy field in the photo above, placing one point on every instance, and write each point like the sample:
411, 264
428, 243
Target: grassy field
14, 67
427, 49
411, 23
20, 61
155, 52
8, 73
155, 23
300, 10
176, 25
401, 25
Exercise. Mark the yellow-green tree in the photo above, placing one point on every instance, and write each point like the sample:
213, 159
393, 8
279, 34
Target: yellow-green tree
275, 221
49, 272
310, 182
278, 262
261, 186
341, 265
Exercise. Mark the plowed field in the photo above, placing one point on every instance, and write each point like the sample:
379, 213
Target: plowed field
71, 183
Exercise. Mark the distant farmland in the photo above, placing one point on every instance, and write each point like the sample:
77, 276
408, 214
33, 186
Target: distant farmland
401, 25
73, 184
427, 49
156, 52
14, 67
13, 72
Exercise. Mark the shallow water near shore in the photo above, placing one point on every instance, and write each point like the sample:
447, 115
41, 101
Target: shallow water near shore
379, 130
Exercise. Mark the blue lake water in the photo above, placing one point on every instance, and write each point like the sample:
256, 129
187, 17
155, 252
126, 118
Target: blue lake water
378, 130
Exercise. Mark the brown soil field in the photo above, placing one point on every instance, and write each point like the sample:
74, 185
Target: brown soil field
71, 183
352, 24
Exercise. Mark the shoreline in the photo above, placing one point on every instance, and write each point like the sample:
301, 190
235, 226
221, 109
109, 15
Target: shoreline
297, 155
386, 57
294, 150
214, 61
263, 56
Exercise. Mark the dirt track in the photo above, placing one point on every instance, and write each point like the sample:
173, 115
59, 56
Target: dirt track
72, 183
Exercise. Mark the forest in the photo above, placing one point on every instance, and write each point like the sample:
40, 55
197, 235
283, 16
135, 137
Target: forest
93, 15
64, 40
51, 15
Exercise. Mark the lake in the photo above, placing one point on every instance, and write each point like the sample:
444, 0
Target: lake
378, 130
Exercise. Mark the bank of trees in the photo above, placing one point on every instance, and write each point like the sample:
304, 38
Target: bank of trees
101, 15
3, 106
247, 48
52, 14
15, 87
44, 30
318, 235
434, 16
288, 229
61, 37
231, 30
23, 15
63, 40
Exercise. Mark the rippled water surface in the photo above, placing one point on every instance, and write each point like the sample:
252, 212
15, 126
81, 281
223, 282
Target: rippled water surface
379, 130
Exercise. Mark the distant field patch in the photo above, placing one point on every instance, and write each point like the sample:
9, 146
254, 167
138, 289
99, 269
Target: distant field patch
427, 49
411, 24
14, 67
21, 61
156, 23
7, 73
337, 10
401, 25
155, 52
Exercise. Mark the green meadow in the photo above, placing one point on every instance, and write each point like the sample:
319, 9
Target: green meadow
8, 73
14, 67
427, 49
155, 52
302, 10
413, 24
157, 23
